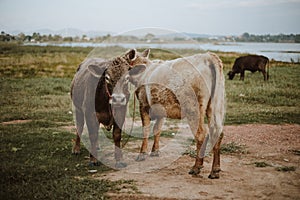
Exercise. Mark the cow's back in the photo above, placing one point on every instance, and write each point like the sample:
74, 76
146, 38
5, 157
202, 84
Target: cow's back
201, 72
191, 70
188, 79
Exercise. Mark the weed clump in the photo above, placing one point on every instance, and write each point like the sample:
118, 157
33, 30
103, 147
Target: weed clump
232, 147
285, 168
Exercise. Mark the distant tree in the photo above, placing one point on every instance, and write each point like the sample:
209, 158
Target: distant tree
27, 38
107, 37
21, 37
57, 38
246, 35
36, 36
67, 39
297, 38
50, 37
44, 38
84, 37
149, 36
5, 37
76, 39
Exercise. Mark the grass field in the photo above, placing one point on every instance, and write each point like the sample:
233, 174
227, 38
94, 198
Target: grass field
36, 160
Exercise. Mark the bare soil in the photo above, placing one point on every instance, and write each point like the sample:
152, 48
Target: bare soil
276, 145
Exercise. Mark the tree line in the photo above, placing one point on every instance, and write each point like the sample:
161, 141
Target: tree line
37, 37
246, 37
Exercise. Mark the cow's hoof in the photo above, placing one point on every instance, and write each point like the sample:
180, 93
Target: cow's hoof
214, 174
195, 170
154, 154
141, 157
120, 165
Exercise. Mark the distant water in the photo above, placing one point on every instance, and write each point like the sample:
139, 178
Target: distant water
286, 52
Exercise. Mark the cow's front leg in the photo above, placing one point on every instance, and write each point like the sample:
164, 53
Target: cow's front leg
76, 147
117, 135
93, 127
146, 131
216, 161
156, 131
93, 153
242, 75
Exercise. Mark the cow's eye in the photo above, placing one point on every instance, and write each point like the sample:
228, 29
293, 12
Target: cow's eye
107, 78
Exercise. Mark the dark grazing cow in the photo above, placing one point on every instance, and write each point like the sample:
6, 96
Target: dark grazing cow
97, 101
252, 63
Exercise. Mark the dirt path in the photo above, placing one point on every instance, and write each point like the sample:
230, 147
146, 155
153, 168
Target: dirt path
275, 145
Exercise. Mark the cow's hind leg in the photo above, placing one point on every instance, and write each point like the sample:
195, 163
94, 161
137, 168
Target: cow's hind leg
265, 75
199, 137
156, 131
242, 75
215, 120
216, 160
199, 159
79, 128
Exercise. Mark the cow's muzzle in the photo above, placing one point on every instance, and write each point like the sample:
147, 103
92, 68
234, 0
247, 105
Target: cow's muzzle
118, 100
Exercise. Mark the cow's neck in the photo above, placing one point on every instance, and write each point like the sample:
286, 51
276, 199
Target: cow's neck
102, 99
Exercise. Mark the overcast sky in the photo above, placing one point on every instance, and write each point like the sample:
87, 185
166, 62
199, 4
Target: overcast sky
219, 17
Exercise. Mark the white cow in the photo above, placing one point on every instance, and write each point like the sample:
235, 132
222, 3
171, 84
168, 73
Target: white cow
191, 87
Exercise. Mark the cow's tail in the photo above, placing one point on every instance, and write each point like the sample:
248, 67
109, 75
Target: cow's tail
73, 81
217, 105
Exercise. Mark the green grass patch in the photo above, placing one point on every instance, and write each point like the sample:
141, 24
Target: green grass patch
256, 101
232, 147
261, 164
286, 168
36, 98
36, 162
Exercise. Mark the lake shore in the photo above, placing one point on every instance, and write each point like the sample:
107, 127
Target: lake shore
285, 52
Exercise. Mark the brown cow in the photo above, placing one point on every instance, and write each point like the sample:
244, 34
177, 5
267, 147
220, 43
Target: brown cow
252, 63
191, 87
95, 99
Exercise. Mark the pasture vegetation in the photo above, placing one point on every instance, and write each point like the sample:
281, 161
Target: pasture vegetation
36, 160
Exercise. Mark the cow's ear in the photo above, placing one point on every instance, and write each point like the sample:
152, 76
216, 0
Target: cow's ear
146, 53
96, 70
131, 54
136, 70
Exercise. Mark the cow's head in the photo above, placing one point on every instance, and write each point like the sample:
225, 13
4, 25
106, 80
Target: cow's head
116, 75
231, 75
